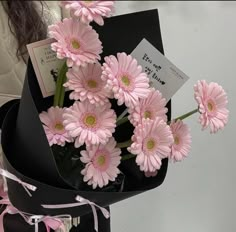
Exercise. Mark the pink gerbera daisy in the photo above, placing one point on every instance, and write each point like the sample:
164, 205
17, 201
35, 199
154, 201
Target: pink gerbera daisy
212, 102
86, 83
77, 42
53, 126
151, 142
182, 140
151, 107
88, 11
126, 79
90, 124
101, 163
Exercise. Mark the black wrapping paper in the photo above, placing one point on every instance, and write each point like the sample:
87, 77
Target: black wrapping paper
17, 223
26, 149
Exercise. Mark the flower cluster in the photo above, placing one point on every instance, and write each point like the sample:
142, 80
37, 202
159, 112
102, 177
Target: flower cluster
91, 120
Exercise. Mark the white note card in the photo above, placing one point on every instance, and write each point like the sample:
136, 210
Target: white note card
46, 65
164, 75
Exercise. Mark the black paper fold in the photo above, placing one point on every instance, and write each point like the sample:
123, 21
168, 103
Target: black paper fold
26, 149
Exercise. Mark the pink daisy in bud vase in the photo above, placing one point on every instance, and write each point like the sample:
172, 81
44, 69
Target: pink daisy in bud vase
212, 102
86, 83
125, 78
77, 42
182, 141
101, 163
90, 124
88, 11
151, 142
151, 107
53, 126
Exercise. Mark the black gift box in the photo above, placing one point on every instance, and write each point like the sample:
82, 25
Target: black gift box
26, 149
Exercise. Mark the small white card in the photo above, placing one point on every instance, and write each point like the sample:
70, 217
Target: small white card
46, 65
164, 75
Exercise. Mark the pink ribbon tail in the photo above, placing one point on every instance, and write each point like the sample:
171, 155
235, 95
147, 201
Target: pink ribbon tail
53, 223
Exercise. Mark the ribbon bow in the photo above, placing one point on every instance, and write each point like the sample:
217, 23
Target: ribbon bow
26, 186
82, 201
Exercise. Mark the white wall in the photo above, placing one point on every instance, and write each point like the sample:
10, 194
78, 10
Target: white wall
198, 194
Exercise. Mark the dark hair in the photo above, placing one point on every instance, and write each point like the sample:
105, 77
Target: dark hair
26, 23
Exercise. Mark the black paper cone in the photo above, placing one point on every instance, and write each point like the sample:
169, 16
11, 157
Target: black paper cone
28, 155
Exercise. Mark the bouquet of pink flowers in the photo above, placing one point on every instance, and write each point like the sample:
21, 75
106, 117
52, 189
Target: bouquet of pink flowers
106, 134
91, 120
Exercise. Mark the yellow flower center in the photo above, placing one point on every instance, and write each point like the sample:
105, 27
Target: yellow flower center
150, 144
101, 160
210, 106
59, 126
92, 84
125, 80
147, 114
75, 44
176, 140
90, 120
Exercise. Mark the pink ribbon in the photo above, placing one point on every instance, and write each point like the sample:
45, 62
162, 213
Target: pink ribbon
49, 221
82, 201
10, 176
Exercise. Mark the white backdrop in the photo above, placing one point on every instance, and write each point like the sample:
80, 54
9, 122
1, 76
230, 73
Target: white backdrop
198, 195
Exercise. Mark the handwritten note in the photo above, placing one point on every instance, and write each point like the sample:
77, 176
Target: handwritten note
164, 75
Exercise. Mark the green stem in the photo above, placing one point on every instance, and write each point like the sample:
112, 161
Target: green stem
121, 121
182, 117
123, 114
124, 144
127, 157
59, 86
62, 95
